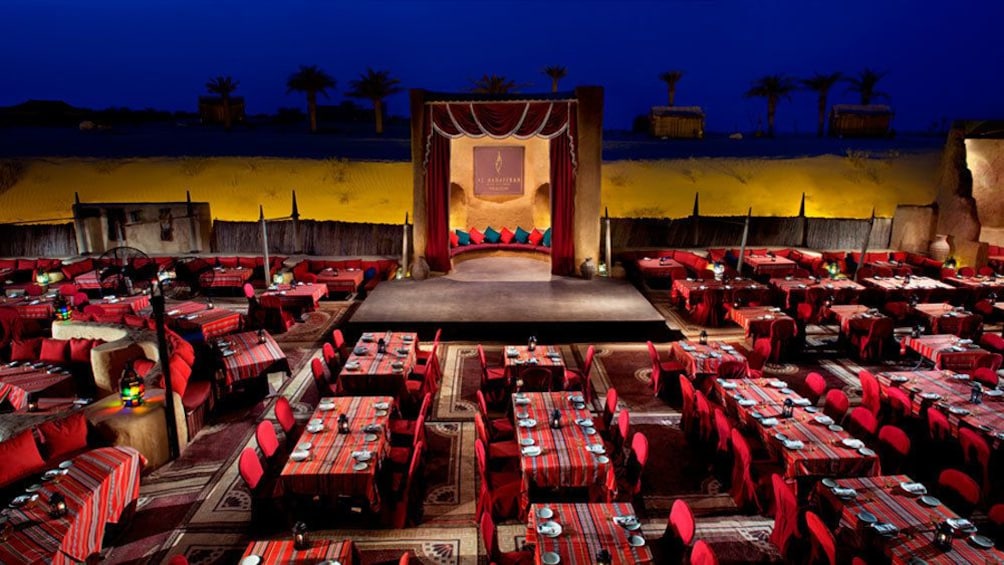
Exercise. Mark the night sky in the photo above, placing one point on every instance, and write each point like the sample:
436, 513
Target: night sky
943, 57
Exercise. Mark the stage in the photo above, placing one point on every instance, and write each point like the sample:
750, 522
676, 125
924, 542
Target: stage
509, 299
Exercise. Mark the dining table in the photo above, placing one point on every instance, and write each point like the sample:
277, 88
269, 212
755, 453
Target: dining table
756, 320
21, 381
300, 297
33, 307
690, 292
249, 355
341, 280
661, 267
854, 319
284, 552
907, 518
946, 351
97, 486
122, 305
809, 443
368, 371
889, 268
943, 318
978, 286
901, 288
90, 280
225, 277
702, 359
771, 265
341, 464
570, 456
518, 358
199, 317
573, 533
795, 289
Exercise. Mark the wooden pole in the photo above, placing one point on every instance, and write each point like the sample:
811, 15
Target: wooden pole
805, 223
404, 245
297, 247
608, 250
193, 223
264, 244
742, 245
83, 245
170, 418
864, 248
695, 220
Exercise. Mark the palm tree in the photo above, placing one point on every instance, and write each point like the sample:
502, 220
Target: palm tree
864, 85
773, 88
671, 78
312, 80
495, 84
821, 84
375, 86
556, 73
224, 86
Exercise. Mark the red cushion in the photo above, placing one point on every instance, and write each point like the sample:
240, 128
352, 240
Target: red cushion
180, 373
64, 437
8, 263
80, 349
142, 366
20, 458
477, 237
246, 262
535, 237
196, 393
353, 263
228, 262
54, 350
454, 239
185, 350
27, 350
507, 236
26, 264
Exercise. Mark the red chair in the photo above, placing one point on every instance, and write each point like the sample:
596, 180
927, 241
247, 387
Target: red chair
406, 504
493, 379
959, 491
500, 491
992, 342
862, 423
609, 409
900, 406
80, 300
894, 449
723, 431
402, 430
758, 357
268, 442
689, 411
824, 547
401, 452
535, 379
986, 377
898, 310
709, 311
67, 290
984, 308
967, 272
661, 369
782, 331
620, 436
503, 454
704, 425
636, 463
702, 554
264, 496
815, 387
406, 559
330, 358
578, 379
490, 538
248, 291
284, 414
785, 515
976, 456
320, 374
343, 349
679, 534
744, 488
871, 395
990, 361
731, 370
835, 404
423, 356
178, 560
424, 378
947, 273
865, 273
498, 428
985, 271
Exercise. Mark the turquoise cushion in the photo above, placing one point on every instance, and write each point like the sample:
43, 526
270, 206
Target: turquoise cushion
492, 236
546, 242
522, 236
464, 237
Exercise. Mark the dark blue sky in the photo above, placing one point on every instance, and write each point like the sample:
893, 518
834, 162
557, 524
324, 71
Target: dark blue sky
943, 56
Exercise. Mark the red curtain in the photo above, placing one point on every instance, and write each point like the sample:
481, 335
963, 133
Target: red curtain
522, 120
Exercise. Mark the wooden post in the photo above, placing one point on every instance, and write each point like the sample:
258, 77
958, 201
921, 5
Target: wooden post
608, 254
742, 245
80, 230
193, 223
297, 247
864, 248
264, 244
404, 245
695, 220
805, 223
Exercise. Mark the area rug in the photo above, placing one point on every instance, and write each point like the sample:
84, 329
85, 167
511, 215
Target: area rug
317, 325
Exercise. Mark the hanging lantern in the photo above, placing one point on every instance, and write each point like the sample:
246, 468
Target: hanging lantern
300, 539
343, 424
976, 394
57, 505
943, 535
131, 387
704, 337
555, 419
42, 278
789, 408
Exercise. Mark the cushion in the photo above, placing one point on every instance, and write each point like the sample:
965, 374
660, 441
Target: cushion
64, 437
143, 366
492, 236
353, 263
246, 262
8, 263
463, 238
535, 237
180, 373
196, 394
454, 239
228, 262
27, 350
80, 349
546, 241
506, 236
522, 236
369, 273
20, 458
185, 350
26, 264
54, 350
477, 237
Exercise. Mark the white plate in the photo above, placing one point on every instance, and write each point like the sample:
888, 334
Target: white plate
928, 500
362, 455
747, 402
866, 451
325, 407
913, 488
585, 422
545, 512
589, 431
550, 558
531, 450
852, 443
602, 459
550, 529
636, 541
728, 385
835, 428
314, 429
381, 406
361, 466
829, 483
958, 411
768, 422
823, 419
778, 384
251, 560
66, 464
528, 423
305, 446
596, 448
33, 488
627, 522
380, 413
526, 441
299, 455
370, 437
352, 365
981, 541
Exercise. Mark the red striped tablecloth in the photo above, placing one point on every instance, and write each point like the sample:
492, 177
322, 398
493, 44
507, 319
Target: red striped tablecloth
375, 373
764, 265
889, 268
700, 359
795, 289
89, 281
251, 358
282, 552
330, 470
37, 307
16, 383
944, 351
756, 320
100, 484
302, 296
225, 277
691, 292
979, 287
954, 394
943, 318
342, 280
664, 267
121, 306
885, 499
209, 322
822, 454
925, 288
586, 529
518, 357
564, 460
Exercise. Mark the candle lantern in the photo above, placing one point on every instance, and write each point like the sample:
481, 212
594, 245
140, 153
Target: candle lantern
381, 346
951, 263
131, 387
719, 269
917, 331
992, 297
261, 336
906, 280
789, 408
771, 255
828, 302
62, 308
209, 303
943, 535
556, 419
278, 279
976, 394
343, 424
531, 344
300, 540
704, 337
57, 505
603, 557
42, 278
833, 269
32, 401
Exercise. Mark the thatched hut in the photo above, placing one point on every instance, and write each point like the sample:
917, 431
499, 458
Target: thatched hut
211, 109
680, 122
852, 120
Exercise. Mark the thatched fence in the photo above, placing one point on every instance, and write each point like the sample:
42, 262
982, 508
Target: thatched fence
316, 237
37, 240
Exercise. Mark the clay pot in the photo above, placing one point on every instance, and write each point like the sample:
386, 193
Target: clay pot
939, 248
588, 269
420, 269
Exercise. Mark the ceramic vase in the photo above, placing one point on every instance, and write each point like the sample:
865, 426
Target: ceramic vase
939, 248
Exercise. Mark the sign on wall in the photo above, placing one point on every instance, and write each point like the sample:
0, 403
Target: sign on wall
498, 170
